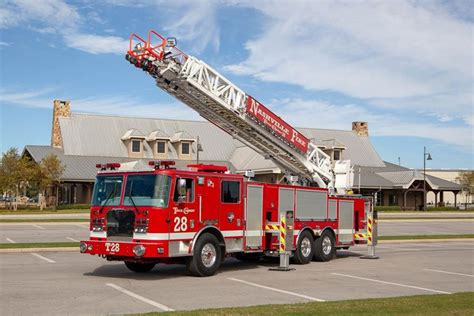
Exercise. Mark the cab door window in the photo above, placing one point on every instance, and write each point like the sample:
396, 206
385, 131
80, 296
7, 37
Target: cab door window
184, 190
230, 191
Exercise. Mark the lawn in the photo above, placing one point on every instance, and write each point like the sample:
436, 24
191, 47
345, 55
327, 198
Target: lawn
453, 304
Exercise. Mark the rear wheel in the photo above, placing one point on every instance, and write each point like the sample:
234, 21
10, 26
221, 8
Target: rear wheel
325, 247
207, 256
140, 267
304, 249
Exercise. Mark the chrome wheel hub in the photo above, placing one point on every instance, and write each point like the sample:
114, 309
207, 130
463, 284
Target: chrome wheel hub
208, 255
305, 247
327, 246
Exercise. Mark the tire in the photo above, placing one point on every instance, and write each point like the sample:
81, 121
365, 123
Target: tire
325, 247
304, 249
207, 256
140, 267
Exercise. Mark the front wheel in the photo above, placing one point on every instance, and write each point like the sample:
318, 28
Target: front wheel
325, 247
207, 256
140, 267
304, 249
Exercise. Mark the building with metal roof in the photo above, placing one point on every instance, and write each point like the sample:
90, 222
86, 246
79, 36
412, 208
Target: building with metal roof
81, 141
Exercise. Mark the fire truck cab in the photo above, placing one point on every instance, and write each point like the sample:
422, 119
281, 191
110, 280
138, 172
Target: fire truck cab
148, 214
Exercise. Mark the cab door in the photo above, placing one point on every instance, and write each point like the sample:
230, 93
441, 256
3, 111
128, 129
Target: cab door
231, 206
184, 211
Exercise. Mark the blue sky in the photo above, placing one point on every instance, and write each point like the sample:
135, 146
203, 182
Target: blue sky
406, 67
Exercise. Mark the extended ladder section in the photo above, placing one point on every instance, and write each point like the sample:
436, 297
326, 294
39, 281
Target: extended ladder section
221, 102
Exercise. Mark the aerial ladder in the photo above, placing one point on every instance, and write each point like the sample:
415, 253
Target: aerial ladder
221, 102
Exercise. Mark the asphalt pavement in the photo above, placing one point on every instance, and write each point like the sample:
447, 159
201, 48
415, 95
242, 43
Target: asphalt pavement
56, 283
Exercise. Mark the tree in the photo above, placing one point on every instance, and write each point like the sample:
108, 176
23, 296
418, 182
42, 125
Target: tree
466, 180
15, 173
50, 172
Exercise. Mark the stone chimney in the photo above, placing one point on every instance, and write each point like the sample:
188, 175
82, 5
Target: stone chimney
60, 109
361, 128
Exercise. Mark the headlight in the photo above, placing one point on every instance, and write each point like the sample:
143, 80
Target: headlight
139, 250
83, 247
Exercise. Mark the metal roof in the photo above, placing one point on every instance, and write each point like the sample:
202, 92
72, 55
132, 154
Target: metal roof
83, 168
100, 135
357, 148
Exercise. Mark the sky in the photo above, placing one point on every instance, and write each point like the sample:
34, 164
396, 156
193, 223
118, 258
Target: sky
405, 67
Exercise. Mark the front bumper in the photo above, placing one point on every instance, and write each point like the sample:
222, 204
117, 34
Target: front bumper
124, 249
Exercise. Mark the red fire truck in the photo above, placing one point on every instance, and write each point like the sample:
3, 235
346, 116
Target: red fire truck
148, 214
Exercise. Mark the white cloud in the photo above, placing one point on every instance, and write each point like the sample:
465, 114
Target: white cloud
194, 21
305, 113
111, 105
399, 55
58, 17
96, 44
4, 44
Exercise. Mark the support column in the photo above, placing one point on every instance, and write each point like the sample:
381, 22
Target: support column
441, 197
455, 198
436, 198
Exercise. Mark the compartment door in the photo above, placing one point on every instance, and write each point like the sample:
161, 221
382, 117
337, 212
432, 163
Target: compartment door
254, 216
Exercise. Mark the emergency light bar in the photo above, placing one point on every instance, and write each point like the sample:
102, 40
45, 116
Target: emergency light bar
165, 164
105, 166
208, 168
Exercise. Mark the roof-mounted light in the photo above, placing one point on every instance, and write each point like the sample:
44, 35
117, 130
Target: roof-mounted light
161, 164
105, 166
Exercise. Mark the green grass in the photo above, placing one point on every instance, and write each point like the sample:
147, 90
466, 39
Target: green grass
441, 304
38, 245
45, 220
409, 237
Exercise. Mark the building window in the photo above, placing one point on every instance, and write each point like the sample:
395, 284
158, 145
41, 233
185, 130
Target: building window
230, 192
337, 155
185, 148
161, 147
392, 200
136, 146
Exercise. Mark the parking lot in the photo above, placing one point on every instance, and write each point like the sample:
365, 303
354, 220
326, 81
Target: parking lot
72, 283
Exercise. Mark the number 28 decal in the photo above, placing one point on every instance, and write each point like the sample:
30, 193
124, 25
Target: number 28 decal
180, 224
112, 247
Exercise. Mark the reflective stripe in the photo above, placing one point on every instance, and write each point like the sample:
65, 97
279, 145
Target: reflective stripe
151, 236
98, 234
233, 233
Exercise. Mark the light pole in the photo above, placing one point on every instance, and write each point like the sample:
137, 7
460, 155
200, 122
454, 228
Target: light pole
198, 149
426, 156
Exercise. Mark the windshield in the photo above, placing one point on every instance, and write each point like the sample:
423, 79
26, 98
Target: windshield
147, 190
107, 190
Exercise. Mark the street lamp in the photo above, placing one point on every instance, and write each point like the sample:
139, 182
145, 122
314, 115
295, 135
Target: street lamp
198, 149
426, 156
